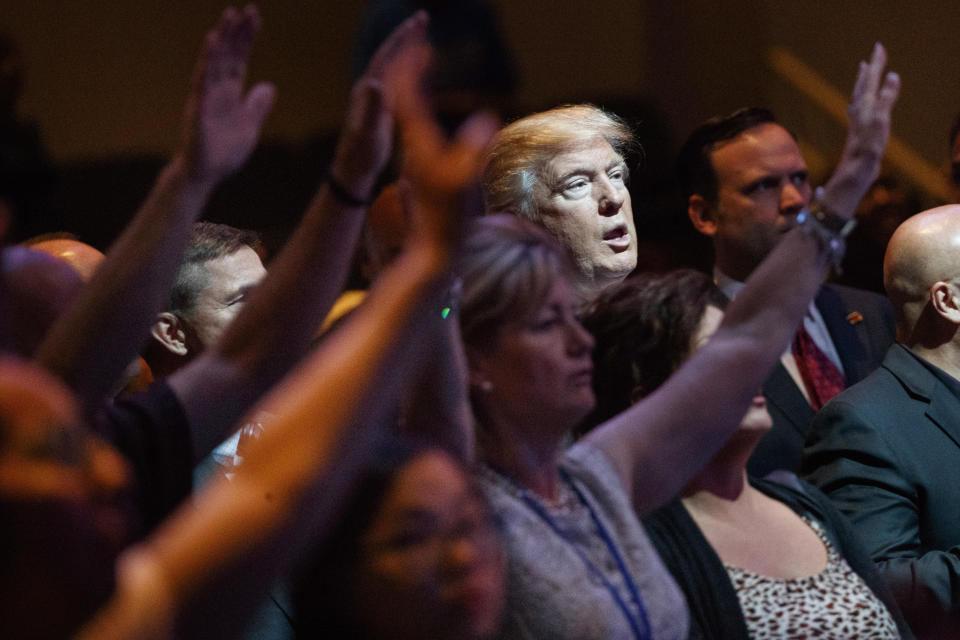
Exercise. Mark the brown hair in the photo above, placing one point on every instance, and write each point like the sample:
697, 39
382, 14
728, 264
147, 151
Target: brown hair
643, 329
208, 241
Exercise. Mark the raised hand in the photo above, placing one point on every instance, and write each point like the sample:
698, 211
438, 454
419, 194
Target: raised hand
874, 95
222, 124
438, 171
367, 138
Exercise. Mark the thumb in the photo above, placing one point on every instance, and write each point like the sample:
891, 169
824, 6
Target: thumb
259, 101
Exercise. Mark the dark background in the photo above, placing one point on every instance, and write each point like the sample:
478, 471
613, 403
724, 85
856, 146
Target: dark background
105, 83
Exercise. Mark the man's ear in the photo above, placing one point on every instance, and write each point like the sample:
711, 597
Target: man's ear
171, 331
702, 215
945, 300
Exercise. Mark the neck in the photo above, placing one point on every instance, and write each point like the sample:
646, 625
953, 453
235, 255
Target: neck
531, 463
725, 476
945, 356
735, 269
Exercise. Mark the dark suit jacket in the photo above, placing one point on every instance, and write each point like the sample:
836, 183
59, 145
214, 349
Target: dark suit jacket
887, 452
861, 345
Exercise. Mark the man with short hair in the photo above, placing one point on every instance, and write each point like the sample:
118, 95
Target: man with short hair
886, 449
220, 267
744, 181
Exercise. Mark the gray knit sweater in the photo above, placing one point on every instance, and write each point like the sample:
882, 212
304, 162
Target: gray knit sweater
551, 592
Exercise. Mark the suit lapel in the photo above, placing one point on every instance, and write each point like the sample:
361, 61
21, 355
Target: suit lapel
943, 407
781, 391
833, 310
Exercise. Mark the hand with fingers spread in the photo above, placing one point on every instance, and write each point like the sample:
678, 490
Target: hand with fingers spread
367, 139
874, 95
222, 122
438, 171
116, 309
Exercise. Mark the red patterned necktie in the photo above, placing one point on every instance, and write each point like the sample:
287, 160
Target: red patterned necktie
821, 377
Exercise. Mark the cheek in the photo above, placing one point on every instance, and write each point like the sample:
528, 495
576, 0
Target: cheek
211, 324
399, 576
392, 587
574, 225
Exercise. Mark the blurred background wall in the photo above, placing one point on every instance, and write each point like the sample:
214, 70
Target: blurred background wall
105, 82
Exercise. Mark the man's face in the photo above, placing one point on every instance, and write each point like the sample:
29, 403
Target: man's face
762, 184
585, 204
229, 280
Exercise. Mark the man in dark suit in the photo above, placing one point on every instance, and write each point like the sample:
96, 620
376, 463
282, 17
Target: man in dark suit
887, 450
744, 181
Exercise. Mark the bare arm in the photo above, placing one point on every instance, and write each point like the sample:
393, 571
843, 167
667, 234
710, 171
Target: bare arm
282, 316
659, 443
244, 534
436, 405
115, 310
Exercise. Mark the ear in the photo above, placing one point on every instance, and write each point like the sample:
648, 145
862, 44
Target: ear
945, 300
171, 331
702, 215
476, 369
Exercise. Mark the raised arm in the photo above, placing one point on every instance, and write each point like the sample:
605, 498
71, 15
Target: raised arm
659, 443
90, 346
436, 405
282, 316
243, 535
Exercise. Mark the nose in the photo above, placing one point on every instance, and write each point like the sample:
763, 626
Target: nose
461, 554
611, 197
792, 200
580, 340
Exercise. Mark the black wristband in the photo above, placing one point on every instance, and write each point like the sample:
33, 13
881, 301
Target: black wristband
341, 193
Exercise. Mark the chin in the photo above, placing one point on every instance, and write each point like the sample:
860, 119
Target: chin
619, 268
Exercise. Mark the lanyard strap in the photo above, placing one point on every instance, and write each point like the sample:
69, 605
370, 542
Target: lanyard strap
641, 628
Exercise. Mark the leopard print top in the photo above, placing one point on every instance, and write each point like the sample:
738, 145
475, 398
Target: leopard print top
835, 603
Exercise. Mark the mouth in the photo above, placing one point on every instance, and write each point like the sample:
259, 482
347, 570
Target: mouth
583, 377
617, 238
475, 598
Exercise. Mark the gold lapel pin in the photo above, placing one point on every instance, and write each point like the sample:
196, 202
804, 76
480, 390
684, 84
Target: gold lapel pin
854, 317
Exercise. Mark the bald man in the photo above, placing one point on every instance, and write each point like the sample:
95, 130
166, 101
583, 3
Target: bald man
84, 260
887, 450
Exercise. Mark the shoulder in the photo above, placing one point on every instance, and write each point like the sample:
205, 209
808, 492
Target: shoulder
590, 465
871, 395
855, 297
156, 409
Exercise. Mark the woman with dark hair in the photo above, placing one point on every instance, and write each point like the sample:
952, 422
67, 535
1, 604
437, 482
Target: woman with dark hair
415, 555
756, 558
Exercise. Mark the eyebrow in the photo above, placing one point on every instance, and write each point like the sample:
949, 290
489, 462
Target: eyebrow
585, 171
240, 291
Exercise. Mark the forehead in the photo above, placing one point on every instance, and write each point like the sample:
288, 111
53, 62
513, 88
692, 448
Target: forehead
555, 292
238, 269
593, 153
767, 149
430, 482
